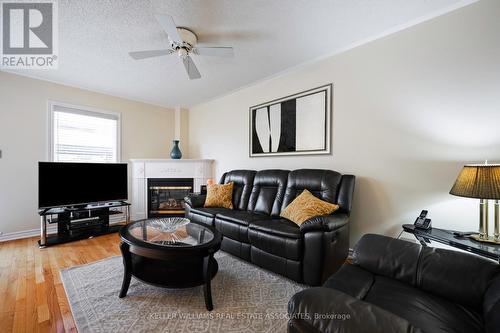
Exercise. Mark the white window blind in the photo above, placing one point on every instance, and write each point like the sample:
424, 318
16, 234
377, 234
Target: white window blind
84, 136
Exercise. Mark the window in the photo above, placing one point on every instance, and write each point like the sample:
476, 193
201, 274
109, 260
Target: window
81, 135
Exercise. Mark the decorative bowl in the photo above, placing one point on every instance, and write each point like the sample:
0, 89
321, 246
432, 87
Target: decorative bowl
169, 224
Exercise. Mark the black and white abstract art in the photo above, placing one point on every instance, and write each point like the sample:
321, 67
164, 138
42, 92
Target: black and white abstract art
299, 124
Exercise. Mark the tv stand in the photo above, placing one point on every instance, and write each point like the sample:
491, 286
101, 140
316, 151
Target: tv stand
77, 207
80, 222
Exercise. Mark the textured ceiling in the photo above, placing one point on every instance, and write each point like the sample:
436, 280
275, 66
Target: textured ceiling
268, 37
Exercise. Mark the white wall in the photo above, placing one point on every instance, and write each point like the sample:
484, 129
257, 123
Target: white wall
409, 110
147, 132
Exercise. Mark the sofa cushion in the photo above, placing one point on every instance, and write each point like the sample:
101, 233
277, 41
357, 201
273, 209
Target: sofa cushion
390, 257
351, 315
279, 237
242, 217
268, 191
237, 248
203, 215
324, 184
219, 195
232, 230
242, 186
306, 206
234, 224
278, 227
290, 268
209, 211
426, 311
445, 273
352, 280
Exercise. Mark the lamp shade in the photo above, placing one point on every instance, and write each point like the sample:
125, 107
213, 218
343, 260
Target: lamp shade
481, 181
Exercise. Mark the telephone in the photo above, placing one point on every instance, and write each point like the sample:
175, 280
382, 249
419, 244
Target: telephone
422, 222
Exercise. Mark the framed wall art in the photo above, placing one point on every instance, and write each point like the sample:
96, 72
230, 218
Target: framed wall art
299, 124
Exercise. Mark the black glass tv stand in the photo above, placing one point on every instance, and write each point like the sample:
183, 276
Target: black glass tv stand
80, 222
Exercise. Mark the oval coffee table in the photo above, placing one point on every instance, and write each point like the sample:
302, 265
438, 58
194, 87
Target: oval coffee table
171, 253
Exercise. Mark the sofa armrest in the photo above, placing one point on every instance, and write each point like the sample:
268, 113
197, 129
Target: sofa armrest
195, 200
325, 222
324, 253
323, 309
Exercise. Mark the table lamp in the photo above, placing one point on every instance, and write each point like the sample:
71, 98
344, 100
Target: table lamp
481, 181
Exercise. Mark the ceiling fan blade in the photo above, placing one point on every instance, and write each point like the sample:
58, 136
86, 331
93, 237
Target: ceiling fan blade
168, 24
215, 51
137, 55
191, 69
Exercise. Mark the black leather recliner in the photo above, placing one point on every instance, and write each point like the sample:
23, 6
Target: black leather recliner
394, 285
254, 231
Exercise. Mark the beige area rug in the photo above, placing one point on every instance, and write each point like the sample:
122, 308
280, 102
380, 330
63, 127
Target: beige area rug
246, 299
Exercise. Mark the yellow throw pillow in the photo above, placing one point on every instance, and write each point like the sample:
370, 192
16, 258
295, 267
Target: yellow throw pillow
219, 195
306, 206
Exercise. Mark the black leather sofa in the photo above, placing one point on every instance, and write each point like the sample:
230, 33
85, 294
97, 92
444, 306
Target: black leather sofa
397, 286
254, 231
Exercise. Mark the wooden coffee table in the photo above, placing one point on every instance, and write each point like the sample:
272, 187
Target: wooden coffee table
171, 253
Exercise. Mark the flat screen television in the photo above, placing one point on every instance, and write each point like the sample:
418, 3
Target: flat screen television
77, 184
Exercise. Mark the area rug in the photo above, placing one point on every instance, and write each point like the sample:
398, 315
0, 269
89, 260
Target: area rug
246, 299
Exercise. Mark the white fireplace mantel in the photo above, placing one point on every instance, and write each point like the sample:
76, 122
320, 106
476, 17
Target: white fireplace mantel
199, 169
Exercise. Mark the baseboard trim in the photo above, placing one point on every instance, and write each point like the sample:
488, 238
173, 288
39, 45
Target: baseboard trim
51, 229
26, 233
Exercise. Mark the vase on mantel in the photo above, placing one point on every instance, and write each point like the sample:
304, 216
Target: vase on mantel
176, 153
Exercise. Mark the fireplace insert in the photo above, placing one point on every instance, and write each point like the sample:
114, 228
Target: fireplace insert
166, 196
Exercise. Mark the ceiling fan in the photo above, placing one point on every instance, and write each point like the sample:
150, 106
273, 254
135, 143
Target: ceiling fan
183, 42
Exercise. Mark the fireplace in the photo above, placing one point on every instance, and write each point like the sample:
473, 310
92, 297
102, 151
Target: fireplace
166, 196
142, 170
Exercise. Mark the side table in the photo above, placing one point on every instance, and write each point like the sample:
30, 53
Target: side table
488, 250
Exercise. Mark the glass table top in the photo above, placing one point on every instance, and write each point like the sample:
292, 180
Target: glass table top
172, 231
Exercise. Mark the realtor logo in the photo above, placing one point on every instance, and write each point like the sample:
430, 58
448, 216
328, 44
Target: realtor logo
29, 34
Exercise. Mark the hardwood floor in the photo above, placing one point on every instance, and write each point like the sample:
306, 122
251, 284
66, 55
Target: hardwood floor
32, 297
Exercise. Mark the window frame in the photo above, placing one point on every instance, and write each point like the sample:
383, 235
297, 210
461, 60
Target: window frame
86, 110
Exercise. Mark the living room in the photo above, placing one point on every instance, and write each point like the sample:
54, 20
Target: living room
329, 158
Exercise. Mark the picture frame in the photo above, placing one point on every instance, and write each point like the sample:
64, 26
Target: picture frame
298, 124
